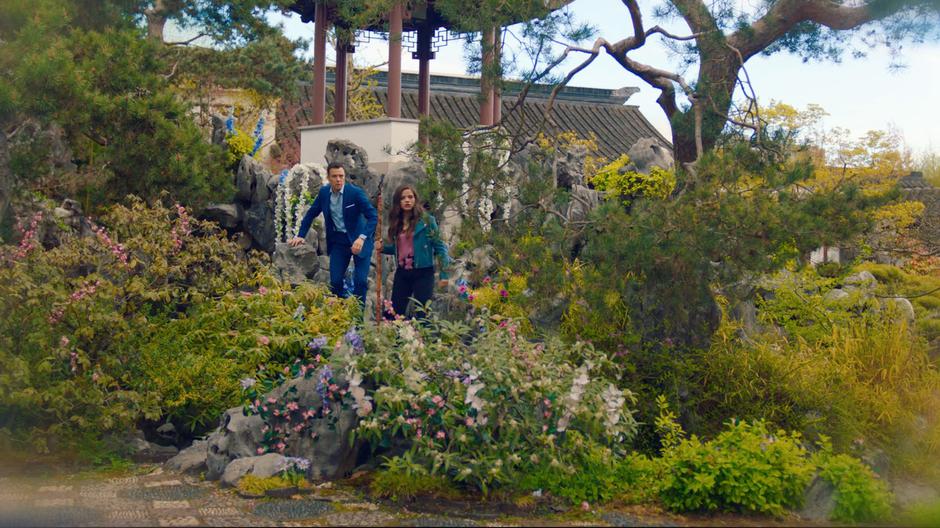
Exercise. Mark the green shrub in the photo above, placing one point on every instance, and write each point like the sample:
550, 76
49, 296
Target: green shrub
746, 468
587, 472
860, 496
195, 363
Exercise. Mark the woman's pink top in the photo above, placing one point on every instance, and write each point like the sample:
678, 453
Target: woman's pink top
406, 249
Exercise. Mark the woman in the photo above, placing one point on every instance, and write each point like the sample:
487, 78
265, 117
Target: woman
416, 241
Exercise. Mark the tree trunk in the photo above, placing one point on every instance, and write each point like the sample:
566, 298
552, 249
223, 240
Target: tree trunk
156, 20
717, 79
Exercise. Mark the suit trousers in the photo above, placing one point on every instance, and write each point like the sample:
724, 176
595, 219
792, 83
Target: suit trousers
340, 253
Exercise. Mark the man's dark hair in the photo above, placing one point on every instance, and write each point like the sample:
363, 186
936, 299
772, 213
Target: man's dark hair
335, 165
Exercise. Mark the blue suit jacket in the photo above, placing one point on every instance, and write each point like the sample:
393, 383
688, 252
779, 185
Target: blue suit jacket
359, 216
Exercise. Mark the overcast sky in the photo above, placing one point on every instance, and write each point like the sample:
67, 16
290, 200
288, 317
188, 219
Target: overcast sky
859, 94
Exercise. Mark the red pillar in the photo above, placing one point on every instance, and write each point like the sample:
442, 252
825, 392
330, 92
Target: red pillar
486, 85
394, 61
424, 56
339, 84
319, 63
497, 56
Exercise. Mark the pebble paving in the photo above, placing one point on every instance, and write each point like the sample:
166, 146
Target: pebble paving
159, 498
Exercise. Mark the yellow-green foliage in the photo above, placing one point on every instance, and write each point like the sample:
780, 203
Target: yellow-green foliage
504, 299
629, 185
607, 328
255, 485
404, 486
860, 496
923, 290
240, 144
870, 383
564, 141
193, 364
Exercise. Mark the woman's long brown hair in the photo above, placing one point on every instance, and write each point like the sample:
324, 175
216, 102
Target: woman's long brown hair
396, 216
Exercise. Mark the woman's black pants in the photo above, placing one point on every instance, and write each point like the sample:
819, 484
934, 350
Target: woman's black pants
408, 283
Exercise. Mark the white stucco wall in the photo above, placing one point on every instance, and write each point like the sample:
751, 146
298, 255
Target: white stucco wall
385, 140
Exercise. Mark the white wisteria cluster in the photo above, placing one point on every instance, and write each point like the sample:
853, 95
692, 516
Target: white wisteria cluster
289, 205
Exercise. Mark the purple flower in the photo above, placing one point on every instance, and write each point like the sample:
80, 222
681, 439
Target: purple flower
317, 343
355, 340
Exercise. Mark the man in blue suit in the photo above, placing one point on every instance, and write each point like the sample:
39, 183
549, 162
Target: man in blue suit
350, 228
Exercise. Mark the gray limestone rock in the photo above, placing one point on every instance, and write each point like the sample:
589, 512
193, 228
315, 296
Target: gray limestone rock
835, 295
908, 494
818, 501
569, 167
583, 201
356, 162
330, 454
863, 278
192, 459
238, 436
647, 153
263, 466
228, 216
903, 307
259, 223
144, 451
296, 264
218, 129
253, 183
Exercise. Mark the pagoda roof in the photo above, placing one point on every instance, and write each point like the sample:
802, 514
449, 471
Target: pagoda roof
585, 111
412, 19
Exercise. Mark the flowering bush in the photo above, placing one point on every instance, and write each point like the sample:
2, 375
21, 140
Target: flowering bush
480, 404
156, 316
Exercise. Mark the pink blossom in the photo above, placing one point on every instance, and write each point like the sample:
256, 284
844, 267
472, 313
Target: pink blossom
418, 433
281, 446
438, 400
264, 340
271, 399
262, 290
95, 376
298, 427
63, 341
292, 406
503, 293
470, 421
486, 280
470, 297
585, 506
440, 435
260, 450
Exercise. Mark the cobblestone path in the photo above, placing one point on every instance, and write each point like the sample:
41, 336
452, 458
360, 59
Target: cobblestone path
160, 498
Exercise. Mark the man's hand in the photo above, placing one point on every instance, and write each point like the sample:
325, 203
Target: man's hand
357, 246
296, 241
